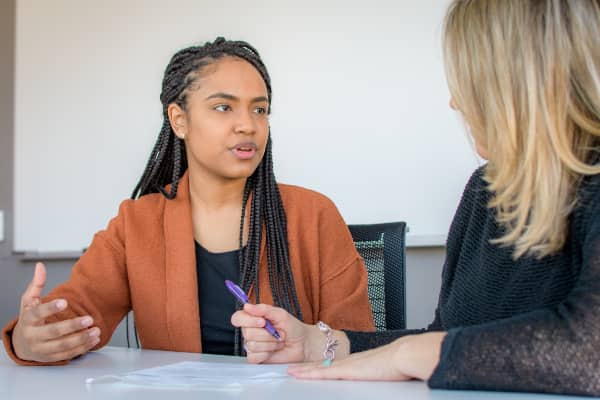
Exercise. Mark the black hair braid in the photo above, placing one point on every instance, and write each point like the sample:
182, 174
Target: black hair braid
277, 239
158, 151
249, 255
168, 162
242, 254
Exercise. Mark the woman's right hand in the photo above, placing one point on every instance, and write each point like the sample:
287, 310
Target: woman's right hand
35, 340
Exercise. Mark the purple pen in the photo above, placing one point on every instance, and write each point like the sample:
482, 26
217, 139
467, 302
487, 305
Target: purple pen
243, 297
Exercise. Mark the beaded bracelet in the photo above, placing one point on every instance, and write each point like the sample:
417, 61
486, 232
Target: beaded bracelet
330, 345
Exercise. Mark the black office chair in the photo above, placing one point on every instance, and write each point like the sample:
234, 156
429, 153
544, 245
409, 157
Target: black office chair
382, 247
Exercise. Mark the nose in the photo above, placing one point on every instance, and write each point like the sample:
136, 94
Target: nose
452, 104
244, 123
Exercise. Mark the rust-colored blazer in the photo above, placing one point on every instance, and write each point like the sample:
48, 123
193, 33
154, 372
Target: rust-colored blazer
145, 261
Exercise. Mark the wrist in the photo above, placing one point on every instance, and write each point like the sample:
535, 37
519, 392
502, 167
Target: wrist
343, 348
418, 355
16, 343
312, 344
316, 343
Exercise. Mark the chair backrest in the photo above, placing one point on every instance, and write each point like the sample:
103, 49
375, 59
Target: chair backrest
383, 248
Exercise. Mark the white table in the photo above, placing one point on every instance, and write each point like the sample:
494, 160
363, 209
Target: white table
68, 382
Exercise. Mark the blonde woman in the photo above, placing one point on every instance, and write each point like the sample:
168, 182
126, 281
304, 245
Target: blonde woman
519, 307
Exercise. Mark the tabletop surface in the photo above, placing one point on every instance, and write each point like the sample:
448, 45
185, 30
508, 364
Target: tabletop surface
68, 382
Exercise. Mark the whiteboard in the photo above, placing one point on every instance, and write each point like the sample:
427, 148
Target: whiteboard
360, 106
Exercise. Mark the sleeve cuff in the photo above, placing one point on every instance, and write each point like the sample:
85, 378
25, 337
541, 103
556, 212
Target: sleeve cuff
362, 341
8, 347
437, 380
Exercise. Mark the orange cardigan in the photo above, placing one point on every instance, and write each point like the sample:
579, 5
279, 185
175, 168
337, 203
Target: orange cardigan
145, 261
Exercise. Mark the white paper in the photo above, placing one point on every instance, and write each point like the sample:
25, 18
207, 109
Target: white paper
198, 373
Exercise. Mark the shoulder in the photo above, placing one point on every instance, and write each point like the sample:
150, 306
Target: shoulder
472, 208
586, 215
475, 191
589, 191
143, 211
476, 182
137, 219
309, 212
314, 222
149, 203
294, 197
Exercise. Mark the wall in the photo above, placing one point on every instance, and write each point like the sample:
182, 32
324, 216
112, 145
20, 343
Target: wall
11, 274
14, 274
423, 264
355, 87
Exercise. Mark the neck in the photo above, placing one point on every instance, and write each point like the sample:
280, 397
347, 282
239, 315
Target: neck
216, 211
211, 193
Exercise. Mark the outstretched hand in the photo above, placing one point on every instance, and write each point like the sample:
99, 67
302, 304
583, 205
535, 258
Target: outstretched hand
35, 340
373, 365
410, 357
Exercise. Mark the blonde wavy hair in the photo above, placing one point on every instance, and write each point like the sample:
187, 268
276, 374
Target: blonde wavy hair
525, 75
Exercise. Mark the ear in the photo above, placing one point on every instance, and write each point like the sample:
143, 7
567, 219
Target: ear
178, 120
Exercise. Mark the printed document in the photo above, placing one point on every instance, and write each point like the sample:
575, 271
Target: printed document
198, 373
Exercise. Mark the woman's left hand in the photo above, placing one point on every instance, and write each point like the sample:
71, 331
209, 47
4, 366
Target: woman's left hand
410, 357
295, 344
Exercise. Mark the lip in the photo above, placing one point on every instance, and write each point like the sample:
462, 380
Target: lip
245, 150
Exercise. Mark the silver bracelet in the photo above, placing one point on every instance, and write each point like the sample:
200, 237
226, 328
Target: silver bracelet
330, 344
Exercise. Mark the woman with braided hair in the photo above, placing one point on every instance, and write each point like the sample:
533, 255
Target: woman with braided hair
207, 208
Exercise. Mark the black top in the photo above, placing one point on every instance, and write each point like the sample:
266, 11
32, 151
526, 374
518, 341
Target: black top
525, 325
216, 303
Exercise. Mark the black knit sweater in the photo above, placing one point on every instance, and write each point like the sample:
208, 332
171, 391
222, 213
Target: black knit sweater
525, 325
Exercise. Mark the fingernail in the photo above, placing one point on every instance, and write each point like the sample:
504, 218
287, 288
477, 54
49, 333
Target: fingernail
60, 304
258, 322
87, 321
94, 332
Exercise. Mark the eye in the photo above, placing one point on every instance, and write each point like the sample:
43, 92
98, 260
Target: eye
222, 107
260, 110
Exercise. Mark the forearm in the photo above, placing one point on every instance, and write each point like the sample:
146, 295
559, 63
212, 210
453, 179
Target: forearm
419, 355
552, 349
528, 354
363, 341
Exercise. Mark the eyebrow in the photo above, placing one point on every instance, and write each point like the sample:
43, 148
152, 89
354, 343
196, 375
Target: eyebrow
227, 96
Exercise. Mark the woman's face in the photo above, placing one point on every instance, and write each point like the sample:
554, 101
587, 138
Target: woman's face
479, 148
225, 125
